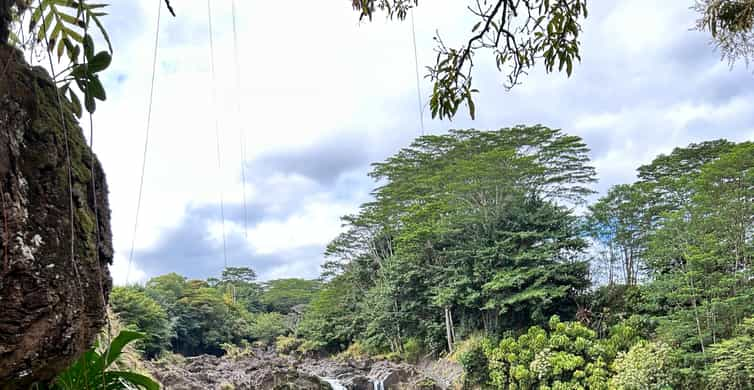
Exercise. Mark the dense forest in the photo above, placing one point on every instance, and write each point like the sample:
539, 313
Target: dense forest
492, 251
489, 247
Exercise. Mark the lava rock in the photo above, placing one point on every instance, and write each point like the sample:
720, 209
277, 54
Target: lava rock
55, 237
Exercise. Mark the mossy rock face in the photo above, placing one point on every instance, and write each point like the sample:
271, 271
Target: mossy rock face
52, 304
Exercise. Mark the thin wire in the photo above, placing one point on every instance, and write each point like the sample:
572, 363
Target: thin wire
6, 234
93, 178
241, 130
217, 126
146, 140
418, 81
69, 168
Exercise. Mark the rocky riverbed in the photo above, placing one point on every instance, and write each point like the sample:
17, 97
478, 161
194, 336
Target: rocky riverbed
265, 370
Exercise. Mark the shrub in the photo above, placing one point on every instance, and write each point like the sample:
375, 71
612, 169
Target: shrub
565, 356
286, 344
310, 346
267, 326
235, 352
426, 384
733, 366
470, 355
645, 366
394, 357
412, 350
93, 369
143, 314
354, 351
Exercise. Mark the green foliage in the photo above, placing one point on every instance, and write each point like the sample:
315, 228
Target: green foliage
91, 371
64, 28
646, 366
412, 350
730, 22
472, 235
470, 354
329, 321
286, 344
532, 31
239, 284
310, 346
137, 310
167, 290
686, 224
619, 222
566, 356
236, 352
733, 360
283, 295
469, 225
268, 326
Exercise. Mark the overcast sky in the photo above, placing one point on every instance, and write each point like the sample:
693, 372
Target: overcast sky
321, 96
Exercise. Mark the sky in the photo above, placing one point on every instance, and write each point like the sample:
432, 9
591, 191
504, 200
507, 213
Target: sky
320, 96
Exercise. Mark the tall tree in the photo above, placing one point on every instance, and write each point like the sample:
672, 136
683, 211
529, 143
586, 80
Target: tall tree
701, 255
619, 222
490, 200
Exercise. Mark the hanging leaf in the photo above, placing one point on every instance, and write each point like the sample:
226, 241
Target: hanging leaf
95, 88
89, 102
88, 47
99, 62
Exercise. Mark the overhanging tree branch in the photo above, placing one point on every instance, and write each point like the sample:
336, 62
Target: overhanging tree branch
518, 33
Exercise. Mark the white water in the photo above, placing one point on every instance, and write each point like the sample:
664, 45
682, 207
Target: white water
334, 384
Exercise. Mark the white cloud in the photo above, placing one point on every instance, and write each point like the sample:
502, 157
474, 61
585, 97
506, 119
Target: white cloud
310, 72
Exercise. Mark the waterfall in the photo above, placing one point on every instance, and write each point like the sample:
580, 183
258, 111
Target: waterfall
334, 384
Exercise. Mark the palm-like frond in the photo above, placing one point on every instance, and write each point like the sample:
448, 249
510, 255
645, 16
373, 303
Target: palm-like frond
62, 24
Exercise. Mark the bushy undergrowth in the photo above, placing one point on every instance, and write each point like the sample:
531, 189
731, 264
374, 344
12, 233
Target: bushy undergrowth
94, 370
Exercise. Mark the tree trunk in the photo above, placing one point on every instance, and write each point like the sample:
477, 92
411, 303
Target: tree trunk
54, 281
5, 19
448, 329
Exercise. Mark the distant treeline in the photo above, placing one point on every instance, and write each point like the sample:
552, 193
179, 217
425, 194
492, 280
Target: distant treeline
484, 245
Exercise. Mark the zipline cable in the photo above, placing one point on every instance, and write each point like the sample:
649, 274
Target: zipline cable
217, 127
93, 176
146, 140
418, 80
241, 130
69, 167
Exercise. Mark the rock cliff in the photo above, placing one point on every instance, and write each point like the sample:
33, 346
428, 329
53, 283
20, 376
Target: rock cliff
54, 277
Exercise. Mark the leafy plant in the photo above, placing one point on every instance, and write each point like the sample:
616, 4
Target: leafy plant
63, 27
517, 34
268, 326
565, 356
733, 366
91, 371
470, 355
136, 309
644, 366
286, 344
235, 352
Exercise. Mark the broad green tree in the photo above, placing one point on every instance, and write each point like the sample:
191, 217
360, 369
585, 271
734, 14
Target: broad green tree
283, 295
136, 309
468, 229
